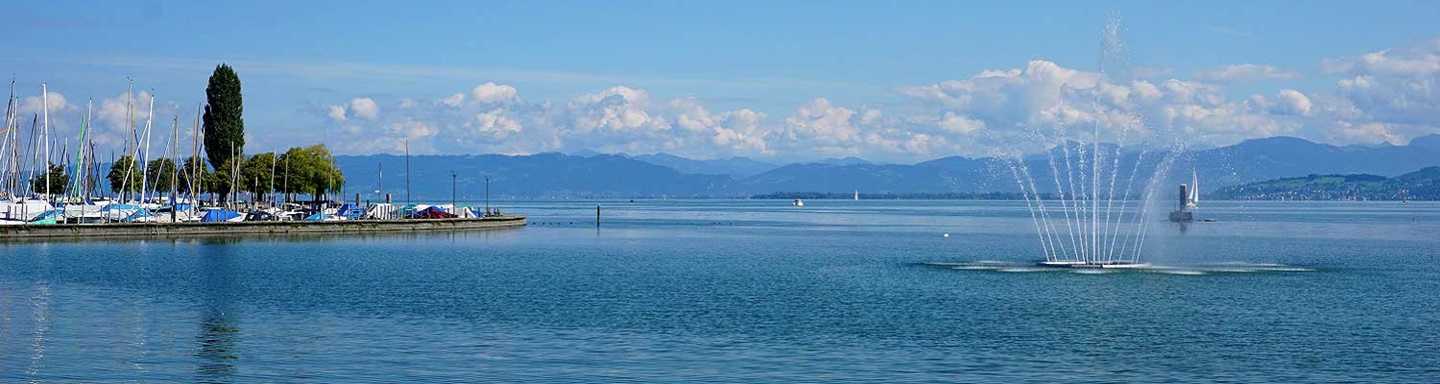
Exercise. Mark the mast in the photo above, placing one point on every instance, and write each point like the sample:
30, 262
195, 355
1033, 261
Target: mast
45, 102
9, 126
273, 159
407, 171
175, 174
130, 140
80, 154
195, 155
145, 160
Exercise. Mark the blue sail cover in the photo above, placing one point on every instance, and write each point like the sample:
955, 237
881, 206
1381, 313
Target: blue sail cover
350, 211
219, 215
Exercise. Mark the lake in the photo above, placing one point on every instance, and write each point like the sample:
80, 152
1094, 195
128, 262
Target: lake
742, 291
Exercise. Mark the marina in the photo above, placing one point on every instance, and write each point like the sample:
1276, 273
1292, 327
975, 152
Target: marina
251, 228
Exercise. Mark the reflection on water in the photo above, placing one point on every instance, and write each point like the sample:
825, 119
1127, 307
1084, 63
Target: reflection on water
219, 329
41, 306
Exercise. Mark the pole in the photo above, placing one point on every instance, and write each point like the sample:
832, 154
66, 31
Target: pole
597, 216
45, 102
453, 177
407, 172
487, 195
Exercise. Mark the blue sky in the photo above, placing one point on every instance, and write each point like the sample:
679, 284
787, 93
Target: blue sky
779, 80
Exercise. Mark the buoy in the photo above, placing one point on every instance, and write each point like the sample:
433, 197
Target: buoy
947, 235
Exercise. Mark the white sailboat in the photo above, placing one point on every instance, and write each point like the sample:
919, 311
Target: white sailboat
1194, 198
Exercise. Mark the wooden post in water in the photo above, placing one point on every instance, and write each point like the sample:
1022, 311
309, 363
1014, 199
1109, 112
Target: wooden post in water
597, 215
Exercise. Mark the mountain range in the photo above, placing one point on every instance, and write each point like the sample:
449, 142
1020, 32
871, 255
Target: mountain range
554, 175
1419, 185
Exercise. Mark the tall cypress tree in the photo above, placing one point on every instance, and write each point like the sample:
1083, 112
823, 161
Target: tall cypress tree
224, 127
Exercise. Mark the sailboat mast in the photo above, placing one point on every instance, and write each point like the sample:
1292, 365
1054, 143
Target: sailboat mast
175, 173
80, 153
45, 103
195, 155
145, 158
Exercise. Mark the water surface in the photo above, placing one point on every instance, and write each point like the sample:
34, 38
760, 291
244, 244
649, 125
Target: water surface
741, 291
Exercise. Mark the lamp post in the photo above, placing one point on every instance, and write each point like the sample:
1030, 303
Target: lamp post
453, 175
487, 195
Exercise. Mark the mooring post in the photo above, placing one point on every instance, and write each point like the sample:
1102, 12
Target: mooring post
597, 215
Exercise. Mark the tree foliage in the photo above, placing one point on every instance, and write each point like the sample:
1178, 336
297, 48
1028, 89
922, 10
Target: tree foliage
310, 170
224, 126
221, 181
159, 174
124, 175
255, 173
59, 181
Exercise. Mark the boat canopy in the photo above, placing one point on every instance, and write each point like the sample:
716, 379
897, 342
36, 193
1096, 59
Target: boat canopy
350, 211
432, 213
381, 211
219, 215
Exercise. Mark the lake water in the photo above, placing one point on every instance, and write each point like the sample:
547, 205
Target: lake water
742, 291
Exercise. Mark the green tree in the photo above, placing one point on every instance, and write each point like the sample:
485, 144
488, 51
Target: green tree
59, 181
124, 176
193, 166
221, 180
159, 174
310, 170
224, 126
255, 173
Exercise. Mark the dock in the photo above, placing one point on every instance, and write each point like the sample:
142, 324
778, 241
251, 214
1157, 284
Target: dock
252, 228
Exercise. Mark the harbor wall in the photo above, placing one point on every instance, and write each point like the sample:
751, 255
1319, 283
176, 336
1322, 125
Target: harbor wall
251, 228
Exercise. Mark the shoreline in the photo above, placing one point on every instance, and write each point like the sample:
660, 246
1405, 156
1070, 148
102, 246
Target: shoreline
252, 228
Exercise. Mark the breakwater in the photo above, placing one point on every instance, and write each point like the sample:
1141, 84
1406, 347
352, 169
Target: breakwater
251, 228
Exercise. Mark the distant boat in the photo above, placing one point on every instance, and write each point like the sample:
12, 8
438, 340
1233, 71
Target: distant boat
798, 203
1194, 198
857, 195
1189, 197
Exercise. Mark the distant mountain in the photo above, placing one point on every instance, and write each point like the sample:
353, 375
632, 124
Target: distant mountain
737, 167
1429, 142
851, 160
547, 175
1419, 185
559, 176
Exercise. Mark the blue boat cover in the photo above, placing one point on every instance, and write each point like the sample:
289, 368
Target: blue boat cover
350, 211
219, 215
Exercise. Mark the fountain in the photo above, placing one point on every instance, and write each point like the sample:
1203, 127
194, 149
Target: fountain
1089, 217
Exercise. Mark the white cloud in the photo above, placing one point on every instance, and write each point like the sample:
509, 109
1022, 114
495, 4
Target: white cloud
335, 112
1245, 73
492, 93
959, 124
1293, 102
993, 109
364, 108
495, 124
31, 105
1417, 59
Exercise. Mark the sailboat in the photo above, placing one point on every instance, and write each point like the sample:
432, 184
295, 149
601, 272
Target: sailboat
1194, 198
857, 195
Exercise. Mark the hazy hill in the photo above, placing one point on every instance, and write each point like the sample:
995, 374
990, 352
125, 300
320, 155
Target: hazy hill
1419, 185
557, 175
737, 167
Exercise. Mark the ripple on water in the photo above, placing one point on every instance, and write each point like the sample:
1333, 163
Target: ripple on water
1183, 272
1022, 270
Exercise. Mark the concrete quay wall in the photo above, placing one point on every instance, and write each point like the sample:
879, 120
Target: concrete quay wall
251, 228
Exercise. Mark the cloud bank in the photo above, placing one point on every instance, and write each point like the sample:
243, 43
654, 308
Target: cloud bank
1386, 96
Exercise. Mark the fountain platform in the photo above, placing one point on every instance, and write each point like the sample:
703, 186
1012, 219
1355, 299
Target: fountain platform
1094, 264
